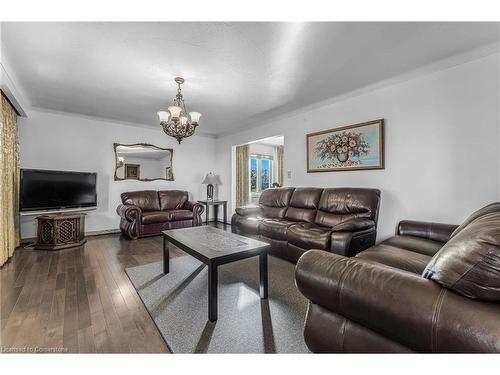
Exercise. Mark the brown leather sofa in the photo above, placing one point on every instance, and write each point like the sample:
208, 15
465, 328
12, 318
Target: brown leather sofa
294, 220
431, 288
148, 212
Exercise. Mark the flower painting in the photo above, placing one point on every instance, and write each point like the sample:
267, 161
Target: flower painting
358, 146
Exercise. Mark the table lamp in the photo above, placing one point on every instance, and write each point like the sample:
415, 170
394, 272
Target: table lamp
210, 180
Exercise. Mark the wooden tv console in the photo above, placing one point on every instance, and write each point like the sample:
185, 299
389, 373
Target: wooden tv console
60, 231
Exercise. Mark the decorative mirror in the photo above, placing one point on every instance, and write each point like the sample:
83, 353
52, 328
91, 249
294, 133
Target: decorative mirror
143, 162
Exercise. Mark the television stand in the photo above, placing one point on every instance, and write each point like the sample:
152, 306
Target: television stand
60, 231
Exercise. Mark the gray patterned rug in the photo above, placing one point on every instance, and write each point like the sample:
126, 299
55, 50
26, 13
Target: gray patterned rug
178, 304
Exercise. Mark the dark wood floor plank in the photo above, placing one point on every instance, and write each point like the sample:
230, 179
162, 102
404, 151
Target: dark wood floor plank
80, 299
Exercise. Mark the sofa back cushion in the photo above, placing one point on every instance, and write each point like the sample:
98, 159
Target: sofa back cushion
492, 207
303, 204
146, 200
340, 204
274, 202
469, 263
172, 199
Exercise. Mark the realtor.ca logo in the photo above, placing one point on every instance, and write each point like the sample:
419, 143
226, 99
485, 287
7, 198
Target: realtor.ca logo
33, 349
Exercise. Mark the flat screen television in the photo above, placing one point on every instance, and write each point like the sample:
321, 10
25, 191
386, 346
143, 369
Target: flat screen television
56, 190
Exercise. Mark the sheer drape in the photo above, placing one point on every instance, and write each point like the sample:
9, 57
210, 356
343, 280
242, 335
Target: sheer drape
9, 181
242, 179
280, 152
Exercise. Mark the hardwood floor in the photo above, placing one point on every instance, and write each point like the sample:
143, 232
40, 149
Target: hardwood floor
79, 300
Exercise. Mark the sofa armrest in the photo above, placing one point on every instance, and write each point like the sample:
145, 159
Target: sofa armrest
402, 306
349, 243
129, 212
396, 304
250, 210
197, 209
340, 242
431, 231
354, 225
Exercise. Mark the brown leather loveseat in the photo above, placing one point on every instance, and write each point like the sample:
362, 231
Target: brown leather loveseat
148, 212
294, 220
431, 288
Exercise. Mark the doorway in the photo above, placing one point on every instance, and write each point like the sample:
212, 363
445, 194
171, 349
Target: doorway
257, 166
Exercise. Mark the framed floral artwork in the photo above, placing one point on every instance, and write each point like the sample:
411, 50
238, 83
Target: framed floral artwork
354, 147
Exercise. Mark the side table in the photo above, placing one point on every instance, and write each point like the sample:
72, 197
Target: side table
216, 204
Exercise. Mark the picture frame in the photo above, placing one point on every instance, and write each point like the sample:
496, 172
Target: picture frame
132, 171
348, 148
127, 154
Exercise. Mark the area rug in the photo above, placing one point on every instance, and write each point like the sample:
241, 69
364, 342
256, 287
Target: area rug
178, 304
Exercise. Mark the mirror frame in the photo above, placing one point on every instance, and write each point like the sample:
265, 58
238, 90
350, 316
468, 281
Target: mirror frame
115, 146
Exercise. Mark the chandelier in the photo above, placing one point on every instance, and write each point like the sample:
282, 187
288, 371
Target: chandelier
176, 121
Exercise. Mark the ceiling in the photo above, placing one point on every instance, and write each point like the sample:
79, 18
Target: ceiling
236, 73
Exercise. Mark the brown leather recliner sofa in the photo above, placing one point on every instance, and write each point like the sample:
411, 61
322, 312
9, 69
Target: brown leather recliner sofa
148, 212
431, 288
294, 220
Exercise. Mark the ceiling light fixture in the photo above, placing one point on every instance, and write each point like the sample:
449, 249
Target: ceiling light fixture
176, 121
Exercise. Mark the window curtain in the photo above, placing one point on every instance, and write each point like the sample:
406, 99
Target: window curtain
242, 179
9, 181
280, 151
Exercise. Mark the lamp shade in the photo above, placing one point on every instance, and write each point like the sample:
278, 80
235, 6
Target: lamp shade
211, 178
195, 117
164, 116
175, 111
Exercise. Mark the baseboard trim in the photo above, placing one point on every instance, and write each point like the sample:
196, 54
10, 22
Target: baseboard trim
96, 233
102, 232
87, 234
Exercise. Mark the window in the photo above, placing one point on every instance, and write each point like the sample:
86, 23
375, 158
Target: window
253, 175
261, 173
265, 174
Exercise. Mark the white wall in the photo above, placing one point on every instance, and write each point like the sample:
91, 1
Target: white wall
66, 142
442, 144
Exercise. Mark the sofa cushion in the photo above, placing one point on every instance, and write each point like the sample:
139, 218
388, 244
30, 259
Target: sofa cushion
146, 200
172, 199
469, 263
303, 204
153, 217
395, 257
275, 228
309, 236
177, 215
274, 202
416, 244
340, 204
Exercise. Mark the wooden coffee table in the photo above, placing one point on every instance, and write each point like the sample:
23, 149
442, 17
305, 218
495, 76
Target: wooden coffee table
215, 247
